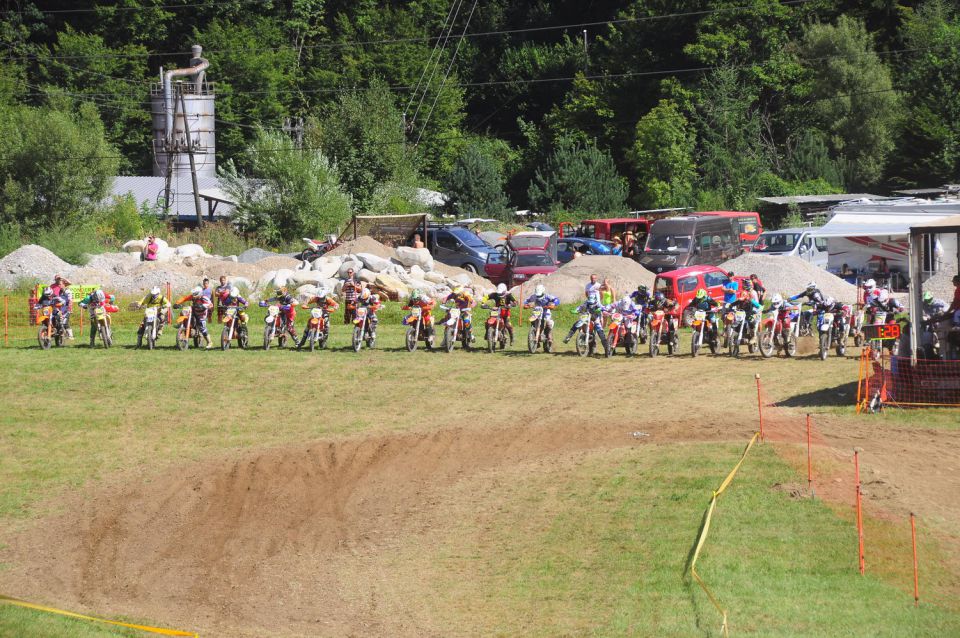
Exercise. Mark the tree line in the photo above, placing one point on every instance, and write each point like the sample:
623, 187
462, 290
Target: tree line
501, 105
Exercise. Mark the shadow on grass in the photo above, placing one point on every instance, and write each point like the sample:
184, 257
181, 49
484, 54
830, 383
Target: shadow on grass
842, 395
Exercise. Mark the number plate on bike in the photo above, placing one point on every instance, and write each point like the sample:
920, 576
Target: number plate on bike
699, 315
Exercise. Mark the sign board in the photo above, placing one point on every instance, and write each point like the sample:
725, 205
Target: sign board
885, 332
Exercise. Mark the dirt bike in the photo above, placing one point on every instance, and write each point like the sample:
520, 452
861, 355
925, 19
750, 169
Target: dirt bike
316, 248
233, 327
739, 331
622, 329
587, 335
50, 326
825, 320
655, 327
151, 327
704, 327
317, 328
363, 330
496, 333
856, 327
642, 322
841, 328
538, 325
276, 326
780, 331
417, 329
188, 328
101, 323
457, 327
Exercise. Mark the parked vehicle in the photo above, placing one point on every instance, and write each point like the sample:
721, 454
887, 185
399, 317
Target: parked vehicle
317, 328
704, 332
662, 330
50, 326
317, 248
690, 240
681, 285
607, 229
496, 332
583, 245
416, 330
363, 330
275, 326
524, 255
187, 328
457, 246
748, 221
795, 242
622, 330
780, 331
457, 327
535, 337
233, 328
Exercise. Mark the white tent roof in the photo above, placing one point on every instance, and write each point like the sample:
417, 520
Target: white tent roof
874, 224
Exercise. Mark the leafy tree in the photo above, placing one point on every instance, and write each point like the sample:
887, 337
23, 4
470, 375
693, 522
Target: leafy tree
362, 131
809, 159
579, 179
55, 166
289, 192
929, 148
850, 96
663, 155
475, 186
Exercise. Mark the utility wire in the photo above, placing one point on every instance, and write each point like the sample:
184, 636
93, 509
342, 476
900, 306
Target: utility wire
454, 3
426, 88
107, 8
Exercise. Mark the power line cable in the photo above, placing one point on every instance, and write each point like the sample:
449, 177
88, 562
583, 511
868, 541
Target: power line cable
423, 73
107, 8
433, 72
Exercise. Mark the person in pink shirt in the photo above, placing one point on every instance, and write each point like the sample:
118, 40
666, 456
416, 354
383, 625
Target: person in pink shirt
151, 250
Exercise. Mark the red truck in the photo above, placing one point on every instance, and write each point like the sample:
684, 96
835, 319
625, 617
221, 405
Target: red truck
682, 284
523, 256
608, 228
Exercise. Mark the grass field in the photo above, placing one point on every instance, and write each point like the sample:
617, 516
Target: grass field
514, 502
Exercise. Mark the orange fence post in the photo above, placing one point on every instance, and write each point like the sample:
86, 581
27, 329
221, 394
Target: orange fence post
81, 322
856, 466
6, 322
759, 406
809, 462
169, 296
916, 571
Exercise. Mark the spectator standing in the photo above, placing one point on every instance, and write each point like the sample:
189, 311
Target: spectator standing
351, 290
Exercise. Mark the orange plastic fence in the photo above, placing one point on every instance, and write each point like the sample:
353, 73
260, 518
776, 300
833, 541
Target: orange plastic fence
886, 379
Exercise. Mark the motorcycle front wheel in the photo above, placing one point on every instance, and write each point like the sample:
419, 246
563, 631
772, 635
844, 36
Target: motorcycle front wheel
766, 343
182, 342
42, 338
654, 341
225, 339
583, 348
313, 340
824, 345
357, 338
491, 339
411, 339
151, 341
449, 341
532, 339
694, 346
267, 337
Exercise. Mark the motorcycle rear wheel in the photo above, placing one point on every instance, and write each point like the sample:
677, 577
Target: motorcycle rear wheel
790, 345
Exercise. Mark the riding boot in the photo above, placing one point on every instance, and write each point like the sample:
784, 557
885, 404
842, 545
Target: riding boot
570, 334
206, 338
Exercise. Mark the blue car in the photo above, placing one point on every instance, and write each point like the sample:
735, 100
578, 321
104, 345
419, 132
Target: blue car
583, 245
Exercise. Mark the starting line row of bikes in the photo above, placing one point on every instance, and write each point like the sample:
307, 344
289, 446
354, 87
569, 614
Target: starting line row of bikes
774, 331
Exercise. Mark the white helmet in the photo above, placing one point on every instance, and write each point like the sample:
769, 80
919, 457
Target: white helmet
234, 292
869, 284
625, 300
323, 292
540, 290
502, 289
777, 301
155, 291
812, 285
99, 296
197, 291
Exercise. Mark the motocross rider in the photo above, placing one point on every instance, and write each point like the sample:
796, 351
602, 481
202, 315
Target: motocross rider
464, 301
426, 304
668, 306
234, 300
154, 299
372, 303
201, 306
326, 303
61, 289
94, 300
813, 297
642, 297
288, 305
502, 299
51, 298
702, 301
592, 306
547, 302
750, 304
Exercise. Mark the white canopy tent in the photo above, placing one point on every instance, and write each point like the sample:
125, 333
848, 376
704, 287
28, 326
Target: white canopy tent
943, 225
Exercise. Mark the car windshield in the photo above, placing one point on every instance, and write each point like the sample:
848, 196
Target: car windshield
469, 238
776, 243
668, 243
534, 259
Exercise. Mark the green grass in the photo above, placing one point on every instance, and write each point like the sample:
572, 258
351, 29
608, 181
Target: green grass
17, 621
601, 551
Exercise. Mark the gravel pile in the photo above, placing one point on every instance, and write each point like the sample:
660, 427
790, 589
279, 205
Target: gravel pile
364, 244
568, 282
941, 285
790, 275
253, 255
277, 262
32, 263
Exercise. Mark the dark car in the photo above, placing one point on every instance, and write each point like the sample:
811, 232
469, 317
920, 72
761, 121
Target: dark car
457, 246
583, 245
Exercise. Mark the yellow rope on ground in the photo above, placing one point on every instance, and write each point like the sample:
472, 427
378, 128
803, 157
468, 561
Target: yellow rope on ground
52, 610
705, 530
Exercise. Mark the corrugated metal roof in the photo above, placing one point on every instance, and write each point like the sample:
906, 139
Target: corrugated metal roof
149, 190
817, 199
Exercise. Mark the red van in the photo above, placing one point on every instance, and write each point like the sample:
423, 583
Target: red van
750, 226
682, 285
607, 228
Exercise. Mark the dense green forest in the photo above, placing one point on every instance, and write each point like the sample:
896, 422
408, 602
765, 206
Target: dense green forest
565, 107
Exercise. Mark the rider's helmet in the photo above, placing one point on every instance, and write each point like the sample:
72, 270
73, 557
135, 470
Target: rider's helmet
279, 292
322, 293
365, 294
415, 295
777, 301
502, 289
374, 299
659, 296
928, 297
197, 292
642, 289
458, 290
625, 300
47, 292
747, 285
869, 285
811, 286
98, 296
702, 293
155, 291
882, 295
539, 291
829, 301
234, 292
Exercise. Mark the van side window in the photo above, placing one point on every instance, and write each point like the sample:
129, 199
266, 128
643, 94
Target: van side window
687, 284
821, 243
446, 241
705, 241
713, 279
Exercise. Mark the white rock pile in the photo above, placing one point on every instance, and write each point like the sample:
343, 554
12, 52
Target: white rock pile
790, 275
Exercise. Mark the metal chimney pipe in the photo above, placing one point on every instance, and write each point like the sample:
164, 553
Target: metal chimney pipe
198, 66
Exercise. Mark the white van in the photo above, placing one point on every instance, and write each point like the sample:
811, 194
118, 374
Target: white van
796, 242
